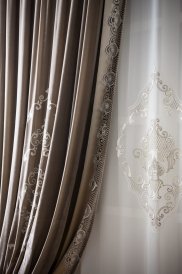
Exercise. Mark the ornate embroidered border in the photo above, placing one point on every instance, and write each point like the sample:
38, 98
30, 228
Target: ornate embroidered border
76, 248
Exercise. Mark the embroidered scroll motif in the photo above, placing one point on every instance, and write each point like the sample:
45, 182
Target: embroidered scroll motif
32, 191
39, 138
152, 165
171, 102
43, 98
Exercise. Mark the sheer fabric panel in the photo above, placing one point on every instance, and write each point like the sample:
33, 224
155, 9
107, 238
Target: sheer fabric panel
139, 218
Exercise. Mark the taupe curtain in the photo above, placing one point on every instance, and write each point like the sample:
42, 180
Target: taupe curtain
58, 61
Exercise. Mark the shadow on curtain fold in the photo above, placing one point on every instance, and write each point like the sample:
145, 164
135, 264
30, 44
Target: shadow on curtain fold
58, 62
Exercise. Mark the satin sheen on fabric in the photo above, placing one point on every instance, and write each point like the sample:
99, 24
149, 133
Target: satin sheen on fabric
58, 63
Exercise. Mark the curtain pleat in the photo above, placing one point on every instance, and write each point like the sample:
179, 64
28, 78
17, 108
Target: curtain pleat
2, 77
20, 121
96, 153
11, 38
67, 179
51, 97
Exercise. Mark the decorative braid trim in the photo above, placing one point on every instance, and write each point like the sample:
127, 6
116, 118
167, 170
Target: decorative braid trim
114, 24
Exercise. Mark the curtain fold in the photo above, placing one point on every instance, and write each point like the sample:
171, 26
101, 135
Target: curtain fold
58, 62
98, 136
2, 76
138, 223
10, 83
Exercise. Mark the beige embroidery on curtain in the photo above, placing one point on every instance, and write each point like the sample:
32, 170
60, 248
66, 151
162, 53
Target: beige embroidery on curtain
157, 150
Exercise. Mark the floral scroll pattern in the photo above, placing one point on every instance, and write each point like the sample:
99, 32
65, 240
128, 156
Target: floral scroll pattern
38, 145
156, 179
171, 102
39, 137
32, 190
38, 105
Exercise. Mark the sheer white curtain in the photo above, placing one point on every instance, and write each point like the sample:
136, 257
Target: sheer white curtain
138, 226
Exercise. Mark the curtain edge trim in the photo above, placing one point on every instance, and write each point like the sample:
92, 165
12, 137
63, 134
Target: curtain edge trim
114, 24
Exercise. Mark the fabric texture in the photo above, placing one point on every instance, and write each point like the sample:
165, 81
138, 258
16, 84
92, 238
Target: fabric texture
138, 223
57, 78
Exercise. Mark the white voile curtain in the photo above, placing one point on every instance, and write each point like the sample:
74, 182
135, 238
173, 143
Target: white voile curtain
138, 226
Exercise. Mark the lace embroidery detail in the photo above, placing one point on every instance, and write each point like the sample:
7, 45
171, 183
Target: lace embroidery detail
152, 167
112, 49
32, 190
35, 181
109, 77
170, 100
115, 20
72, 257
38, 104
158, 144
39, 137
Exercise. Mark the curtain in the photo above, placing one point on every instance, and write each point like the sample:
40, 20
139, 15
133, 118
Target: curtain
138, 224
58, 63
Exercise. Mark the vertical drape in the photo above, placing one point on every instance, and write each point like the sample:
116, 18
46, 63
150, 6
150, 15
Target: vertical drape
138, 223
58, 62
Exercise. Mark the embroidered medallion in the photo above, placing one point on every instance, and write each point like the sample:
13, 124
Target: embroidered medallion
151, 161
